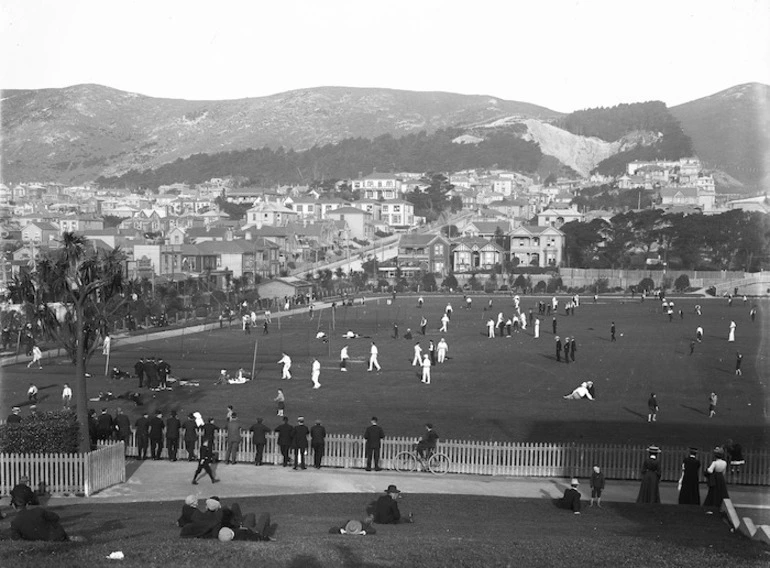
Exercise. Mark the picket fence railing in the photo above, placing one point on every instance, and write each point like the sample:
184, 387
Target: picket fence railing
506, 459
65, 474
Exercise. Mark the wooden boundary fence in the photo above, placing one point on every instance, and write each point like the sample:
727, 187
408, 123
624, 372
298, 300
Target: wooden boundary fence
62, 474
507, 459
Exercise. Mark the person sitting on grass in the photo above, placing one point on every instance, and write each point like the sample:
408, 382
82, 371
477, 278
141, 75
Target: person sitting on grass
22, 495
204, 524
583, 391
223, 378
571, 498
239, 379
350, 334
354, 527
189, 509
38, 523
386, 510
119, 375
236, 526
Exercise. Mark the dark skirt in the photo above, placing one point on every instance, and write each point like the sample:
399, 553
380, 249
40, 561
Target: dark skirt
717, 490
690, 493
649, 491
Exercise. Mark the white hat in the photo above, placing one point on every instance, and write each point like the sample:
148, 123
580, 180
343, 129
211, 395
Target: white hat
226, 534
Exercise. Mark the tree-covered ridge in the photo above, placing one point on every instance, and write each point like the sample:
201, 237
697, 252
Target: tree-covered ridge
347, 159
613, 123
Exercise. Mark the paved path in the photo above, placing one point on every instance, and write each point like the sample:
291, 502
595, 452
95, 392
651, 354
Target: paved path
167, 481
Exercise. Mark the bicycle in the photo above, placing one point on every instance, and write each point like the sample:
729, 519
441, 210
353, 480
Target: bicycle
410, 461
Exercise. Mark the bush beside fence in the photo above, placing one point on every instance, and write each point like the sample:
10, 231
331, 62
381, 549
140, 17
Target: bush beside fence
507, 459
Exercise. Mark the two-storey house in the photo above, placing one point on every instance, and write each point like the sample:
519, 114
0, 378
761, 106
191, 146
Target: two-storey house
430, 252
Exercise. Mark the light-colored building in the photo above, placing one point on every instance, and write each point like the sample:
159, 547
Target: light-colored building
470, 254
269, 214
398, 213
430, 253
378, 186
556, 217
359, 222
536, 245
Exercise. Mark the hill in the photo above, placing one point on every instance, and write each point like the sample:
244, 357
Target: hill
730, 131
80, 132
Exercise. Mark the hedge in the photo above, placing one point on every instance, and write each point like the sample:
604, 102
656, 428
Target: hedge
46, 432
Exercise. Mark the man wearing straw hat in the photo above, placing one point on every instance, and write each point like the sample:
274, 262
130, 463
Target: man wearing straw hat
571, 498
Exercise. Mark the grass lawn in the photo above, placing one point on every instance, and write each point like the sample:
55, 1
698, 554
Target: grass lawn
448, 531
504, 389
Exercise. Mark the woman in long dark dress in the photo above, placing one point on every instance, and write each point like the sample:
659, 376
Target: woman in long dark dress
649, 491
689, 492
715, 474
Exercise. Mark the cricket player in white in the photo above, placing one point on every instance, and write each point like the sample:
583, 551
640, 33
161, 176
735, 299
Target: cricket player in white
442, 349
316, 374
426, 364
373, 363
490, 328
444, 322
344, 359
417, 359
286, 362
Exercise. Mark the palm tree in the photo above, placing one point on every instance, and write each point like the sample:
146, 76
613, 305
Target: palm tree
90, 285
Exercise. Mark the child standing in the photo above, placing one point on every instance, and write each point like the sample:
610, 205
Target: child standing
652, 405
712, 404
280, 400
597, 486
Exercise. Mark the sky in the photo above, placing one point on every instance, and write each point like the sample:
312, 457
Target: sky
561, 54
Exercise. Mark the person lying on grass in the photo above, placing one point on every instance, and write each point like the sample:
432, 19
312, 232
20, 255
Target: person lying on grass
354, 527
585, 390
209, 523
38, 523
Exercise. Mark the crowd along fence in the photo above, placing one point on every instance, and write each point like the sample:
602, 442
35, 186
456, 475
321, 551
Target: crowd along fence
496, 458
65, 474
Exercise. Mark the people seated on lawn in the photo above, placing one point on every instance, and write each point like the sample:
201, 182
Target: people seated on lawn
585, 390
22, 494
119, 375
427, 444
209, 523
571, 498
189, 509
240, 378
386, 511
322, 336
38, 523
350, 334
223, 378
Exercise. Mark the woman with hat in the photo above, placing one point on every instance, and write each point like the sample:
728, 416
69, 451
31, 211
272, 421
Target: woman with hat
715, 475
689, 493
649, 491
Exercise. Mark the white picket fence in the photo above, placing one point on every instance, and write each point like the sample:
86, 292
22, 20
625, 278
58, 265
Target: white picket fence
65, 474
507, 459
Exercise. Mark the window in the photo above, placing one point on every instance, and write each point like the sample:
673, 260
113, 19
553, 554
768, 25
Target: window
438, 249
396, 209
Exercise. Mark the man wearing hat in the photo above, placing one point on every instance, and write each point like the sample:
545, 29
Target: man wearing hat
21, 494
15, 416
386, 508
427, 443
318, 443
299, 442
571, 498
373, 436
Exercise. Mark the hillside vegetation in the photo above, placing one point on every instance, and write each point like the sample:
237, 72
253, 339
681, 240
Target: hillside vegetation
347, 159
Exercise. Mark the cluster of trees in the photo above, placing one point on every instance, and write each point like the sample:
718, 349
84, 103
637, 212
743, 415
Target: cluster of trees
613, 123
346, 159
607, 197
735, 240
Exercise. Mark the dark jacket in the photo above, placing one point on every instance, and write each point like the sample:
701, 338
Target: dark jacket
156, 428
139, 368
188, 512
386, 510
104, 426
300, 436
203, 525
190, 430
209, 429
373, 436
259, 432
22, 495
142, 426
172, 428
285, 434
164, 369
37, 524
317, 434
123, 425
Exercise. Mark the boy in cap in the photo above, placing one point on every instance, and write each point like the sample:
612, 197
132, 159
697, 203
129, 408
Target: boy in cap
597, 486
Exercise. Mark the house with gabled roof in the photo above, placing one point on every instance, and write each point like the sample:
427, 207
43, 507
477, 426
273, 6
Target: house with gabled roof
430, 252
558, 216
197, 235
486, 229
359, 222
306, 206
470, 254
40, 233
512, 207
536, 245
273, 214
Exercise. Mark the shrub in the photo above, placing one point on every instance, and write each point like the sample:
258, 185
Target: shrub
601, 285
554, 284
47, 432
450, 282
646, 284
540, 287
682, 282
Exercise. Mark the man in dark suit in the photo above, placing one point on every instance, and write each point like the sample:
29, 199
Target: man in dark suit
285, 433
573, 348
373, 436
156, 435
558, 348
173, 425
190, 436
104, 426
318, 443
164, 370
139, 370
123, 428
151, 371
209, 431
299, 441
22, 495
259, 439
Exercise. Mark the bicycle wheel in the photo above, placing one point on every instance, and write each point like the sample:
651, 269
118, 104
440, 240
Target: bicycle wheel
439, 464
405, 462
